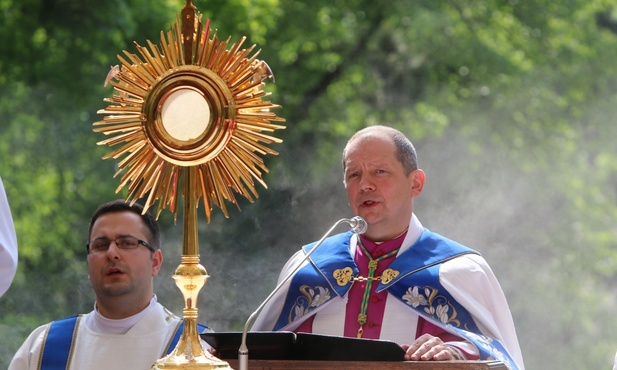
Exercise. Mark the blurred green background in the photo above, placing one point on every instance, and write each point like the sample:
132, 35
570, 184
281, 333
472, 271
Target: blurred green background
511, 105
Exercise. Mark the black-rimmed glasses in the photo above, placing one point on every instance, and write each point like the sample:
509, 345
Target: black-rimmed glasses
123, 242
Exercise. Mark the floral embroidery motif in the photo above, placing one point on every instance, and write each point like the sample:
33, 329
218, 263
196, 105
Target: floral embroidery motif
435, 305
438, 307
311, 298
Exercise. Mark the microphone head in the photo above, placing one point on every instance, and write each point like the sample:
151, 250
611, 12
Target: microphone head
358, 225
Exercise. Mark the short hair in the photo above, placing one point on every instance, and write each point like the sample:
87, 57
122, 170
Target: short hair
122, 205
405, 151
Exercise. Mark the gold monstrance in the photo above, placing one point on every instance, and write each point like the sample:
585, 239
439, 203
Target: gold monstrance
189, 114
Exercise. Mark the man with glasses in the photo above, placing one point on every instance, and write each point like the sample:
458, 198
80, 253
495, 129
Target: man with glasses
128, 328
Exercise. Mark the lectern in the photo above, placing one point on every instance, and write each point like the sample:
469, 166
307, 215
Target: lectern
372, 365
294, 351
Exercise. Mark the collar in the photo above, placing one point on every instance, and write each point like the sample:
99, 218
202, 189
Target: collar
414, 232
103, 325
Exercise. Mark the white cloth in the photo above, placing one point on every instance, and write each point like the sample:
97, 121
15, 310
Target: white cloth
8, 243
139, 348
461, 276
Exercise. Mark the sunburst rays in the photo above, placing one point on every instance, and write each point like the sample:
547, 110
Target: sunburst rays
226, 158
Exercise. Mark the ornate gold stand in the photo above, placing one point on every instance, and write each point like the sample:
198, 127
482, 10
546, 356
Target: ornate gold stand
190, 277
189, 110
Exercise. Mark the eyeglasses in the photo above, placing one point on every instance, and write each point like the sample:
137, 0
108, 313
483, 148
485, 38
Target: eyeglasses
124, 242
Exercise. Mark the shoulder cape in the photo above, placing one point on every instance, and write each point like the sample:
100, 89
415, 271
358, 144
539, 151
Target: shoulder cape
413, 278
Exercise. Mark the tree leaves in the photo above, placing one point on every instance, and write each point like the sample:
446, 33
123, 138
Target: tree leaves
511, 105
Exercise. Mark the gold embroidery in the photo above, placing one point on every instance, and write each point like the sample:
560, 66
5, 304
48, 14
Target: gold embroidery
388, 275
311, 298
343, 276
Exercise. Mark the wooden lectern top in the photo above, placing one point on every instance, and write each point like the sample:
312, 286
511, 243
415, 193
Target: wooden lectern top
372, 365
304, 351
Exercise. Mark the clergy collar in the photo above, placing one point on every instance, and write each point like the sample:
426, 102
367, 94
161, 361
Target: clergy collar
102, 324
414, 231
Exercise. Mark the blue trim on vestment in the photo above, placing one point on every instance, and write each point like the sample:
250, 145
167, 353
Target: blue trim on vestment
57, 345
332, 255
424, 293
430, 249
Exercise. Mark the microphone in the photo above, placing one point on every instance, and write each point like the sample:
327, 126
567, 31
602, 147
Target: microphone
356, 224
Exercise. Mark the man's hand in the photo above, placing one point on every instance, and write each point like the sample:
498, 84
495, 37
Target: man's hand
427, 348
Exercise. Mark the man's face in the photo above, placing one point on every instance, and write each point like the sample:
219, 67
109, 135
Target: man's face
122, 272
377, 188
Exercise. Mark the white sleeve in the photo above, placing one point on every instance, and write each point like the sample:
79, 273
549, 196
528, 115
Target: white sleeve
269, 314
472, 283
27, 356
8, 243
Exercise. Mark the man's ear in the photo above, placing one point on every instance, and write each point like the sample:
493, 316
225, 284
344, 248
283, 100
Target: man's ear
157, 261
417, 182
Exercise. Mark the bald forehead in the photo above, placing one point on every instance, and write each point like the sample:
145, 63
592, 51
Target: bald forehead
387, 137
365, 137
374, 131
376, 150
368, 139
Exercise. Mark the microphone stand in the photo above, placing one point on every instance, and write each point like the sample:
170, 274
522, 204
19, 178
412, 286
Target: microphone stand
358, 225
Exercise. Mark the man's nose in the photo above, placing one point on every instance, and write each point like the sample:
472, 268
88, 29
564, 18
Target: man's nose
113, 251
366, 183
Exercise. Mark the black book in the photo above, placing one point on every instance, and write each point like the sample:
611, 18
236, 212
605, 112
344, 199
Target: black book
288, 345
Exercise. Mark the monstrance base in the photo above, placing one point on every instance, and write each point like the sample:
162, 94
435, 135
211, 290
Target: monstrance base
180, 362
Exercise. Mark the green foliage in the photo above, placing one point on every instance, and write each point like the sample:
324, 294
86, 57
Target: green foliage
511, 105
